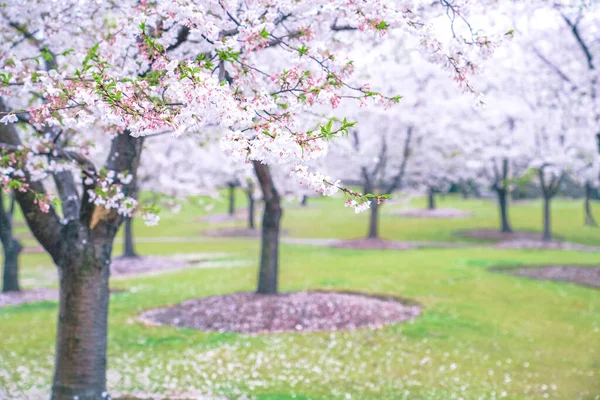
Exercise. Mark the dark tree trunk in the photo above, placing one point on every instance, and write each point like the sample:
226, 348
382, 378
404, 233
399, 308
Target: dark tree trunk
84, 269
502, 188
547, 236
589, 217
11, 248
251, 203
231, 198
431, 199
80, 364
269, 258
10, 277
128, 246
503, 206
374, 221
464, 190
304, 201
549, 189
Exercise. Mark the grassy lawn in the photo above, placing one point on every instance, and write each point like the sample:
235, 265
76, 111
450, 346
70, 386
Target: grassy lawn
328, 218
482, 335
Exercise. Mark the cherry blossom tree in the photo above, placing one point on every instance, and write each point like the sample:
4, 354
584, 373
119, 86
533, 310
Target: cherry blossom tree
561, 89
438, 162
499, 148
72, 71
417, 145
575, 66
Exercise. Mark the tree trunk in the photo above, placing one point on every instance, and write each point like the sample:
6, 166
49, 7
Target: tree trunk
589, 217
129, 247
503, 205
83, 260
374, 221
11, 248
304, 201
547, 236
431, 199
269, 259
464, 190
10, 277
80, 364
250, 193
231, 199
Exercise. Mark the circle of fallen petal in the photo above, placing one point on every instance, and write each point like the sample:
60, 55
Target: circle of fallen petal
254, 313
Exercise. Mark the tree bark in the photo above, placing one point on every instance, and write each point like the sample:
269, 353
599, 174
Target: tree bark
304, 201
549, 189
12, 248
128, 245
464, 190
251, 203
373, 221
269, 259
431, 199
501, 186
503, 206
231, 198
547, 236
80, 364
589, 217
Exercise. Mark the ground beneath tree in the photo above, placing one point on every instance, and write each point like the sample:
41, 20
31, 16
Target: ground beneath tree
27, 296
232, 232
587, 276
435, 213
544, 245
385, 244
236, 232
33, 250
33, 296
123, 267
286, 312
239, 215
137, 265
374, 244
496, 235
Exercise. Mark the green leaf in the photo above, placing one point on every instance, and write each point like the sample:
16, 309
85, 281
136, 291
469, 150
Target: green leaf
303, 50
46, 55
67, 52
264, 34
382, 25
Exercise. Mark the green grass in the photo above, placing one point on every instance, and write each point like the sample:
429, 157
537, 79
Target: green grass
341, 222
482, 335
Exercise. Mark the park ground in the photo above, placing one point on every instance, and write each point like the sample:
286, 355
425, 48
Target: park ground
482, 334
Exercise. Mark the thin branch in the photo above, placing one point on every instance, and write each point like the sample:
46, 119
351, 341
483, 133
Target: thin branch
554, 68
405, 154
575, 29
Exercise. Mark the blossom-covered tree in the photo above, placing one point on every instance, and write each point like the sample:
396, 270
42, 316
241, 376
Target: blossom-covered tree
575, 66
171, 171
438, 162
132, 69
416, 144
561, 90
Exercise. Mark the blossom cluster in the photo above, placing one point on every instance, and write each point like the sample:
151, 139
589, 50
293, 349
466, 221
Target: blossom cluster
252, 68
106, 190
